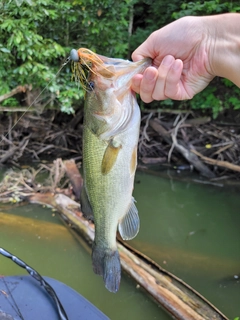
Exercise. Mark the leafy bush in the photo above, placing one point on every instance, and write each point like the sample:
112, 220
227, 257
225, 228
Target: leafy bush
206, 8
37, 36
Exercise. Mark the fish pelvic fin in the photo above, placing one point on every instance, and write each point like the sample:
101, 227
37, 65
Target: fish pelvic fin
133, 163
110, 156
106, 262
129, 226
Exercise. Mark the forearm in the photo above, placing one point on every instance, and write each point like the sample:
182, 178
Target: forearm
226, 50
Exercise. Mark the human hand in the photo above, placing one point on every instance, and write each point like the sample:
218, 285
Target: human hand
181, 53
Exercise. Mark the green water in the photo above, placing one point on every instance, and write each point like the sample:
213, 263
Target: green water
190, 229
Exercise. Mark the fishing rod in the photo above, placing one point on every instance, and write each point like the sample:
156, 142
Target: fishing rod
61, 312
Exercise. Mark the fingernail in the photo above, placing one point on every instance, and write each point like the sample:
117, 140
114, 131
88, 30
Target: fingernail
167, 61
177, 64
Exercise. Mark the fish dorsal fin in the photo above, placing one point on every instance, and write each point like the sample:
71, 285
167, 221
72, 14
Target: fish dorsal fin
129, 225
110, 156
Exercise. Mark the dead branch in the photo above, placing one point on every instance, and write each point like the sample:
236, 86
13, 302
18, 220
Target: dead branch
16, 109
13, 92
13, 149
219, 163
198, 121
73, 174
148, 160
56, 135
186, 153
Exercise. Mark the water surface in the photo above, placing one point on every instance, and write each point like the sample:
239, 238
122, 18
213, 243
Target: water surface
190, 229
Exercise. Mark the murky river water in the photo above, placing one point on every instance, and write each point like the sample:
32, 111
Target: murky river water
190, 229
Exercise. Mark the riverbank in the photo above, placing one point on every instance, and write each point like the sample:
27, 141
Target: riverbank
179, 139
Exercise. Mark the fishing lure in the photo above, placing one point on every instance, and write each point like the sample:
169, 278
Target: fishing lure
39, 278
83, 61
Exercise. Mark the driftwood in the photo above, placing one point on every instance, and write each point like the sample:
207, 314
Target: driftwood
175, 296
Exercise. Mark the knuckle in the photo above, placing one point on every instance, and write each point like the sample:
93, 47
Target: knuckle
147, 98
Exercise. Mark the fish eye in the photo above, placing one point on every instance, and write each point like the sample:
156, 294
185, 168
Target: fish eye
74, 55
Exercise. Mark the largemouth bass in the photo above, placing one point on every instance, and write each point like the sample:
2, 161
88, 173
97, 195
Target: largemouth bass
110, 139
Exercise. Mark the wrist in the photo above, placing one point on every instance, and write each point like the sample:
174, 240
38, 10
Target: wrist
225, 55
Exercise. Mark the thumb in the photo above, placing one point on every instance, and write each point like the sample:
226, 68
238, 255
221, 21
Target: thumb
145, 50
136, 56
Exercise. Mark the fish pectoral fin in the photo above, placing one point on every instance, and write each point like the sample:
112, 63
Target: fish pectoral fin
110, 156
129, 226
86, 207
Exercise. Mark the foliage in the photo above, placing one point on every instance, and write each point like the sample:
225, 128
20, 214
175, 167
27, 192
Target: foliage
149, 16
207, 100
206, 8
37, 36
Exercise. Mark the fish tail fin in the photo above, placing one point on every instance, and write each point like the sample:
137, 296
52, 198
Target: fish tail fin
106, 262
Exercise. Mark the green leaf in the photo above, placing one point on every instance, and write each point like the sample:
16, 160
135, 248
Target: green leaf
5, 50
17, 39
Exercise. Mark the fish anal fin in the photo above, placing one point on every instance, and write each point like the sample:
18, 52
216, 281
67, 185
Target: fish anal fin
86, 207
129, 226
110, 156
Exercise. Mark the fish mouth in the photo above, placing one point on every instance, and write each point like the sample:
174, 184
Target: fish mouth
84, 61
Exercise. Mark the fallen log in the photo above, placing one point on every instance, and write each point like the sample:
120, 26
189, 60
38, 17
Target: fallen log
179, 299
